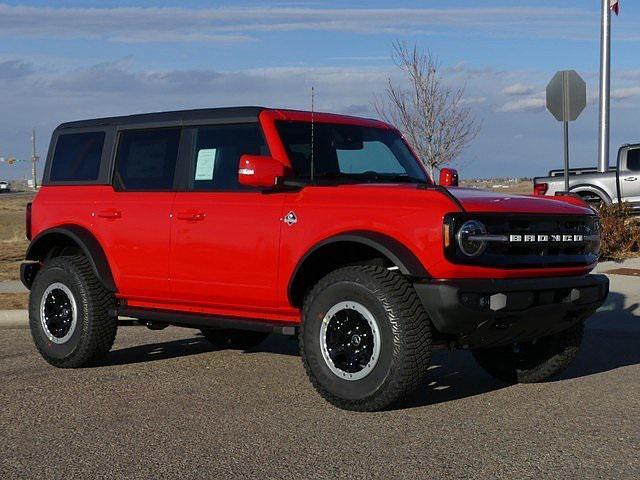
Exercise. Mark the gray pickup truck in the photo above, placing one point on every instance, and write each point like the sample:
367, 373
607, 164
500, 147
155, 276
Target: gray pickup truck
619, 184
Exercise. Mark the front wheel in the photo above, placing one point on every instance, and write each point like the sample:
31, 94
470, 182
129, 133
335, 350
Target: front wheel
365, 338
532, 362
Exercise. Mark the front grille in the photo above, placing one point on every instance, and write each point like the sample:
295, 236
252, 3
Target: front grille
532, 253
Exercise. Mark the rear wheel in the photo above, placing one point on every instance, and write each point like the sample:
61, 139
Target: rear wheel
71, 315
233, 339
532, 362
594, 200
365, 338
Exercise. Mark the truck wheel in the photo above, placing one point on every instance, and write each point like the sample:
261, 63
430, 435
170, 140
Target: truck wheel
365, 338
532, 362
71, 315
233, 339
593, 200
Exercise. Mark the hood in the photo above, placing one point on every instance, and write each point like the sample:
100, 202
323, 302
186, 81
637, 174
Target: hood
473, 200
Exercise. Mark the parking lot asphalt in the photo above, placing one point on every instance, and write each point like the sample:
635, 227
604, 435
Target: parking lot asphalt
164, 405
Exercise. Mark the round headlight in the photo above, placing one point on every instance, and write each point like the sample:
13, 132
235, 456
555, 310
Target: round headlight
469, 246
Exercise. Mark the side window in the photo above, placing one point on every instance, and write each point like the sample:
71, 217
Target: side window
77, 157
633, 160
146, 159
214, 164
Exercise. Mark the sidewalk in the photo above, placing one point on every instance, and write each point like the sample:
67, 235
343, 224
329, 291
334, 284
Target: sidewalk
624, 297
13, 318
12, 286
630, 263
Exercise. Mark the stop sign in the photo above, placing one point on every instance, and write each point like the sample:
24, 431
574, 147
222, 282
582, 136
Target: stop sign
566, 95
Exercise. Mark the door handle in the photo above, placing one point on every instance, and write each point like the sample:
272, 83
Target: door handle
191, 216
112, 214
630, 179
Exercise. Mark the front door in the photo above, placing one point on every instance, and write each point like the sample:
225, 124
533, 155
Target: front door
630, 177
133, 218
225, 237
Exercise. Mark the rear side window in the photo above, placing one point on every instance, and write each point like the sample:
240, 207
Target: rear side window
633, 160
77, 157
146, 159
214, 164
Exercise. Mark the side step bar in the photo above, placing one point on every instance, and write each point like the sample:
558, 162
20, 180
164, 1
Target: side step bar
198, 320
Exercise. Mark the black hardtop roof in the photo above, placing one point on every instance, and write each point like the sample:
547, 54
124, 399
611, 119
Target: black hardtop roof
242, 114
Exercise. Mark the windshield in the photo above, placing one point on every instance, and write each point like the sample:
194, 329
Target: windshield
349, 153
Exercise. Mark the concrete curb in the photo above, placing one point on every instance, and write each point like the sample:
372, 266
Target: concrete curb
20, 318
612, 264
14, 318
12, 286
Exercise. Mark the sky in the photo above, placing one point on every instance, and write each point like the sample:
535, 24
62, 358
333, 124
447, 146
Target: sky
69, 60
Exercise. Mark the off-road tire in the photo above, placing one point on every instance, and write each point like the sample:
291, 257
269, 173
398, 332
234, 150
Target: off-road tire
232, 339
535, 361
97, 321
405, 337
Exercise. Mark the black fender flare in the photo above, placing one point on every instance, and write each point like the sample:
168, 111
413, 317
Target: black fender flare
44, 241
398, 253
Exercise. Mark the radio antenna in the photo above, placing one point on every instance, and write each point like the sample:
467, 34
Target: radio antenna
313, 121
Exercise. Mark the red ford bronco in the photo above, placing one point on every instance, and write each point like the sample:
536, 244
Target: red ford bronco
246, 221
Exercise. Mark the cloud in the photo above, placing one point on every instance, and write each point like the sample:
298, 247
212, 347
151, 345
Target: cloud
15, 70
226, 24
532, 104
518, 89
474, 100
625, 93
114, 88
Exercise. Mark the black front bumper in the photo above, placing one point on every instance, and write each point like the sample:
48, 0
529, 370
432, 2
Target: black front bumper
491, 312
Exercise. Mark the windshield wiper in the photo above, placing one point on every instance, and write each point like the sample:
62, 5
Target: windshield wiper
391, 178
370, 177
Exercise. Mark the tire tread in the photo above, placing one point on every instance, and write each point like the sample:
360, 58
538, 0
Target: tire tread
412, 346
100, 305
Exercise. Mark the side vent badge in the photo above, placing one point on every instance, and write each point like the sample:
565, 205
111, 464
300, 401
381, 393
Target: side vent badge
290, 218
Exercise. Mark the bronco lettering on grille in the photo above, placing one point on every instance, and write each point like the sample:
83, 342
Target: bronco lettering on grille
528, 238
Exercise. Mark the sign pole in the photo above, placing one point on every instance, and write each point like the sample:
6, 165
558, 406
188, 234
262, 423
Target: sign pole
566, 156
605, 68
566, 98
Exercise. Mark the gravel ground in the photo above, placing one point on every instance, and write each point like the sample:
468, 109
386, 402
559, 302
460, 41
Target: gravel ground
163, 405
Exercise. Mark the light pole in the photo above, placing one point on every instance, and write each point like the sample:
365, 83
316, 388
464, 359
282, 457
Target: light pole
34, 159
605, 68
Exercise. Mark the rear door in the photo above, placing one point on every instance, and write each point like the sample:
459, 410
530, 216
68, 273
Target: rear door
630, 176
225, 237
133, 217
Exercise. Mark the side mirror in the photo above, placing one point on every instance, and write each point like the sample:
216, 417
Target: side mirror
448, 177
259, 171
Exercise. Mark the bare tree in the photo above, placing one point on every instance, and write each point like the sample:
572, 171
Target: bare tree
431, 115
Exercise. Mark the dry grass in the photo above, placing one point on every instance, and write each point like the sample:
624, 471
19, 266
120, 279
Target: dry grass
13, 243
14, 301
522, 187
620, 232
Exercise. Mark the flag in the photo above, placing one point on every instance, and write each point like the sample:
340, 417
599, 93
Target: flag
615, 6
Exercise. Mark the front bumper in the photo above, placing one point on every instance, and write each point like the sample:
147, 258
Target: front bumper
492, 312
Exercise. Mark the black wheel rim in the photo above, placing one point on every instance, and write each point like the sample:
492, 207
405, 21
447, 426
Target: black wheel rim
350, 340
58, 313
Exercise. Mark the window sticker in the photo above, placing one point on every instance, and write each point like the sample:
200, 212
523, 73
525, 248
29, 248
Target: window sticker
205, 164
